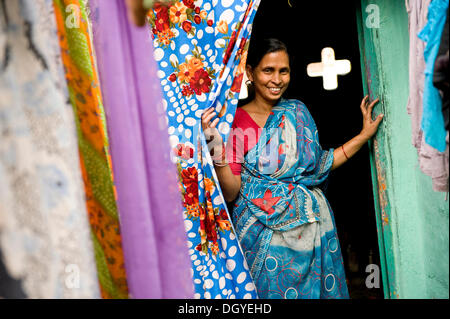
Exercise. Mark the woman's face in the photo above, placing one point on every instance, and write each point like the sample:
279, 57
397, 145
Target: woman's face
271, 77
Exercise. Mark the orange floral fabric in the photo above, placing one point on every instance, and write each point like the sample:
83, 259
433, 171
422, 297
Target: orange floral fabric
86, 99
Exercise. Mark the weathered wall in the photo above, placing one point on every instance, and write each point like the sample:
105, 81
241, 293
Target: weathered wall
412, 219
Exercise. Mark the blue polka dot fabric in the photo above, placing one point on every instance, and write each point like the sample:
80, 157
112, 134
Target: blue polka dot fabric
201, 49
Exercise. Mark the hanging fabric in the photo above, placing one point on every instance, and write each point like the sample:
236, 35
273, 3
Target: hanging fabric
441, 73
86, 100
153, 235
432, 162
417, 15
432, 118
45, 237
201, 50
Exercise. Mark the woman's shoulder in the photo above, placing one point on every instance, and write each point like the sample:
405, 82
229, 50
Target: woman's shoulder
299, 110
241, 118
294, 105
240, 113
293, 102
243, 108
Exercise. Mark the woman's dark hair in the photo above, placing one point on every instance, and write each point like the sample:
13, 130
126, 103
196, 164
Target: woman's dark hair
260, 48
257, 50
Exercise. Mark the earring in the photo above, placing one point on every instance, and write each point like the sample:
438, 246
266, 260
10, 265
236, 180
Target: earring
248, 83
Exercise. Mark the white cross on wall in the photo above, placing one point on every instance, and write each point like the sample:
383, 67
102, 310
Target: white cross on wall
329, 69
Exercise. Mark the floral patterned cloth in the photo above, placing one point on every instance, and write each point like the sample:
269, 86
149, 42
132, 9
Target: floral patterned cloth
44, 230
280, 202
86, 99
201, 50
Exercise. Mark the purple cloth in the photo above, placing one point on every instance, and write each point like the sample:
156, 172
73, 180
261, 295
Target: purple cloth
153, 235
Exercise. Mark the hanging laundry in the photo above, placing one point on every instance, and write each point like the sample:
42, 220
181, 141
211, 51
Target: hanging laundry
45, 236
417, 15
201, 50
441, 82
432, 162
86, 99
153, 234
441, 72
432, 119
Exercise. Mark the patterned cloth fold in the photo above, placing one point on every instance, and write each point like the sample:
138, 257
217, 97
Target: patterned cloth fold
86, 100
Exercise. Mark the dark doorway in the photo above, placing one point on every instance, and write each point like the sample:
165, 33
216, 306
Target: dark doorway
307, 27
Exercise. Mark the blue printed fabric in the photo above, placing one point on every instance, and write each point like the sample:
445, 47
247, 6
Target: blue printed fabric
282, 219
432, 119
201, 50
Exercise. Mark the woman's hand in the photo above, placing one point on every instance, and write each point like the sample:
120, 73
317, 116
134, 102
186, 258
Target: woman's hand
370, 126
137, 9
230, 183
213, 138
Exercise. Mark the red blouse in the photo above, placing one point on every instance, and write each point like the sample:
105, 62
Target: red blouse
243, 137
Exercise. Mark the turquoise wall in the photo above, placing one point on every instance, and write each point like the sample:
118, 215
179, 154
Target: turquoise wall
412, 219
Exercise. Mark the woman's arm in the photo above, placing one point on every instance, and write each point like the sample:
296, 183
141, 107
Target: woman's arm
345, 152
229, 183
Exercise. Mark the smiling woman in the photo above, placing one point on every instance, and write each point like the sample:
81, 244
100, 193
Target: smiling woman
268, 58
271, 76
284, 222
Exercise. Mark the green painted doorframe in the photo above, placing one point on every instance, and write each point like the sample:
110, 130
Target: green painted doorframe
369, 64
412, 219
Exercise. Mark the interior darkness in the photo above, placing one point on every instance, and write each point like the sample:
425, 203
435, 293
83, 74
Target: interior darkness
306, 28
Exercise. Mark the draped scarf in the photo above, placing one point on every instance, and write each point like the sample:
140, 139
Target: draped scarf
281, 216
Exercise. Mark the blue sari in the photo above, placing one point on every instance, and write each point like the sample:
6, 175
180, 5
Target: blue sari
282, 219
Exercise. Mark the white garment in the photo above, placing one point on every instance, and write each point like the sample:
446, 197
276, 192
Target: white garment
44, 229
